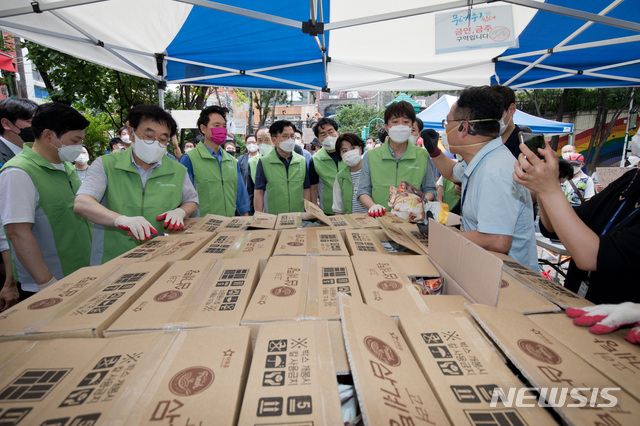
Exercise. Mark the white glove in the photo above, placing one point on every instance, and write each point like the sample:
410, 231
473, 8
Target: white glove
377, 210
47, 284
607, 318
137, 226
174, 219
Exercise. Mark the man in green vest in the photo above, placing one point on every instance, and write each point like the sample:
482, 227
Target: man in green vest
394, 162
128, 194
282, 174
48, 240
325, 164
214, 172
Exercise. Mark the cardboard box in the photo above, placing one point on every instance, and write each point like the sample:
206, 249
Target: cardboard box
353, 221
263, 221
516, 296
611, 354
98, 381
81, 305
310, 242
208, 223
580, 393
373, 241
385, 286
463, 370
288, 221
301, 288
192, 294
414, 234
542, 285
394, 227
390, 386
468, 269
292, 378
201, 380
165, 248
317, 212
230, 245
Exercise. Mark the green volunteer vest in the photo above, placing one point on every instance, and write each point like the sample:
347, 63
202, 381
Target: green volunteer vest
56, 194
327, 170
346, 189
125, 195
253, 166
385, 171
286, 192
217, 188
449, 195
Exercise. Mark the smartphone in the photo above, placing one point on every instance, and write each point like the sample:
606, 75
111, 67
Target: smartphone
533, 142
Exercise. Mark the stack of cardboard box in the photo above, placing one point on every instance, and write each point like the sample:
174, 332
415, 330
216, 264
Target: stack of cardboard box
248, 320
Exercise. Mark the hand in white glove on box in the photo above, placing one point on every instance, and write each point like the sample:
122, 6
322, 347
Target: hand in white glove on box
608, 318
377, 210
173, 219
137, 226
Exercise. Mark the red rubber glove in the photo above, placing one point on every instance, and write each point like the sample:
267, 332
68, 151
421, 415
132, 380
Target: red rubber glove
377, 210
137, 226
173, 219
607, 318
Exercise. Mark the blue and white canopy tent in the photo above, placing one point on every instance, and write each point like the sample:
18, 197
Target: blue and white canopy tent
336, 44
432, 118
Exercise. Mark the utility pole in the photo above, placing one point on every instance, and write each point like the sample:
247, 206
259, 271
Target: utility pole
22, 85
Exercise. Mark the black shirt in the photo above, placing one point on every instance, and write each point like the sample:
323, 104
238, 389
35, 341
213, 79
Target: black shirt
617, 278
513, 142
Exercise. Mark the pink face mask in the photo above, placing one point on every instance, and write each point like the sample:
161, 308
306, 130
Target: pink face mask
218, 135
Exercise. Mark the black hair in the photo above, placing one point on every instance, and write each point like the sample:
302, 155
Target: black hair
565, 169
480, 103
250, 136
114, 141
324, 121
153, 113
506, 93
57, 117
278, 127
14, 109
399, 109
352, 138
420, 124
213, 109
372, 139
119, 131
183, 144
382, 135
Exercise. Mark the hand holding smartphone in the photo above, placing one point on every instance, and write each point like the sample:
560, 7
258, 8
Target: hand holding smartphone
533, 142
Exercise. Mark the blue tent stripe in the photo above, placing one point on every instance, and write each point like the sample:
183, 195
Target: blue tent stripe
243, 43
546, 30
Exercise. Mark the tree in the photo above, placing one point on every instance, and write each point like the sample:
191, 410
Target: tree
354, 117
69, 80
263, 99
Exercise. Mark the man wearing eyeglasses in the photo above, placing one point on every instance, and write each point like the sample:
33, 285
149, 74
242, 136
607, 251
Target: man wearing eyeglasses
497, 213
128, 194
282, 173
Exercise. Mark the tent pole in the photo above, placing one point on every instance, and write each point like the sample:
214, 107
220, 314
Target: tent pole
626, 132
160, 97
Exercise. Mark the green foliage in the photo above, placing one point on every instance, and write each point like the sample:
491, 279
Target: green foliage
96, 137
354, 117
545, 102
71, 80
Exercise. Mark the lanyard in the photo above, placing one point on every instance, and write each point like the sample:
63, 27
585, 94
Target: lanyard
606, 228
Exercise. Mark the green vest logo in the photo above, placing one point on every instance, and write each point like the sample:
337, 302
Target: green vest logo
163, 185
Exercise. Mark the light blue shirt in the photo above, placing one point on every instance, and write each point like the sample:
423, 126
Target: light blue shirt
493, 203
427, 186
242, 196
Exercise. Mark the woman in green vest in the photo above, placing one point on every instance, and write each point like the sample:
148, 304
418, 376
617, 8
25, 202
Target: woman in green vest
345, 188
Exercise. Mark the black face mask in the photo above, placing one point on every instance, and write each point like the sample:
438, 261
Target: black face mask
231, 152
26, 134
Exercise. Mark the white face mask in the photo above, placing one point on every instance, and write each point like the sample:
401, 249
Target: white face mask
252, 147
187, 149
414, 139
399, 133
503, 126
576, 169
265, 149
566, 155
82, 159
299, 143
288, 145
329, 143
148, 151
352, 158
125, 139
69, 152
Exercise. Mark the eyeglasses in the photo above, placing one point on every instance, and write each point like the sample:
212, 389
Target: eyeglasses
150, 138
445, 122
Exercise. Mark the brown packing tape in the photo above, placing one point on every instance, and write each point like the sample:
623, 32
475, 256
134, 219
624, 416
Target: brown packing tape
312, 241
310, 265
238, 245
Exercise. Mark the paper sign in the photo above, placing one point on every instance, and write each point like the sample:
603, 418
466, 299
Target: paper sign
477, 28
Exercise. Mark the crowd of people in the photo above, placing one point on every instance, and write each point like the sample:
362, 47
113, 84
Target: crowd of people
59, 213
